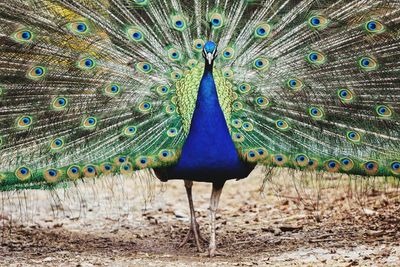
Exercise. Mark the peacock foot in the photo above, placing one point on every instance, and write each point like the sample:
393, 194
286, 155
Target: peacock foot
194, 231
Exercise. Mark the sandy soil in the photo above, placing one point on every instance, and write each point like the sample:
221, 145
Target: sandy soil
297, 220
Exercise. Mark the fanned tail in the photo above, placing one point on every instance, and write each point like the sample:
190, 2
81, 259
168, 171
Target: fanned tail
104, 86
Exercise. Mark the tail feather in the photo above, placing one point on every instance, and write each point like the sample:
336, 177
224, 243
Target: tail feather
111, 84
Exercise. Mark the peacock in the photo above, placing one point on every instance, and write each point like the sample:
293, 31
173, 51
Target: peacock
201, 91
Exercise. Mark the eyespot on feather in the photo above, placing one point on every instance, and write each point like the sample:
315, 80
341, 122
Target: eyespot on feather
370, 167
374, 26
52, 175
107, 168
237, 137
118, 160
353, 137
262, 30
144, 67
174, 55
24, 36
60, 103
383, 111
228, 53
332, 165
237, 105
294, 84
227, 72
279, 159
318, 22
216, 20
23, 173
244, 88
192, 63
247, 126
251, 155
145, 106
316, 113
282, 125
178, 22
74, 172
301, 160
198, 45
315, 57
90, 171
170, 109
56, 144
262, 152
367, 63
24, 122
237, 123
86, 64
79, 27
261, 64
345, 96
172, 132
112, 90
176, 75
135, 34
312, 164
143, 162
126, 168
395, 167
166, 155
89, 122
129, 131
346, 164
37, 73
163, 90
262, 102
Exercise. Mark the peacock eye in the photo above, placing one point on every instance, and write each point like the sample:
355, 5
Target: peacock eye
144, 67
395, 167
179, 23
368, 63
315, 21
374, 26
81, 27
384, 111
137, 35
346, 164
26, 35
86, 64
262, 30
216, 20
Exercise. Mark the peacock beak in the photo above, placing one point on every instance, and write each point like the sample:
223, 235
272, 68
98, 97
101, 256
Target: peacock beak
210, 57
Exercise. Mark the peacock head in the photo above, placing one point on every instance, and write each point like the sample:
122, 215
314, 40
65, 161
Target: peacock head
210, 52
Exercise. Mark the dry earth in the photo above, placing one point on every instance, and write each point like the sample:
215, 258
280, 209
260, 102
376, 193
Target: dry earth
298, 220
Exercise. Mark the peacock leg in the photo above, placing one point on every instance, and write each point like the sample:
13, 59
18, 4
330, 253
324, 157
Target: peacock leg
215, 195
194, 229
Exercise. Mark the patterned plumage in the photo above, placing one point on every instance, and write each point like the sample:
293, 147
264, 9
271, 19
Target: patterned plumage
112, 86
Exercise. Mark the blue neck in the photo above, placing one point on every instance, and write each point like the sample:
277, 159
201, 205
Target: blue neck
208, 153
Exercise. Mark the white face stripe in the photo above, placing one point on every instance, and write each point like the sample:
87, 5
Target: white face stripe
210, 56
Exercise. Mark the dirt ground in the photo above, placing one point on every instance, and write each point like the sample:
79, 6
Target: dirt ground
297, 220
